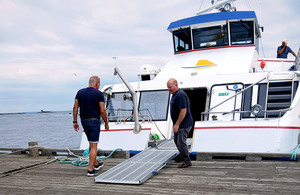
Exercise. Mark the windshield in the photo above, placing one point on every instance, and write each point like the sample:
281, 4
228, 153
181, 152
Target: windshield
242, 33
210, 36
154, 104
182, 40
119, 106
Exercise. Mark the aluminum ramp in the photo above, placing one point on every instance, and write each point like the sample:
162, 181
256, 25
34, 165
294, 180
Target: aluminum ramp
142, 166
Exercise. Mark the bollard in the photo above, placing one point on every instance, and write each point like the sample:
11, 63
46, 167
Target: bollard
33, 152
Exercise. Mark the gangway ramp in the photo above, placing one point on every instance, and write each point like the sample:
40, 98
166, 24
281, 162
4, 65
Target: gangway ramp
142, 166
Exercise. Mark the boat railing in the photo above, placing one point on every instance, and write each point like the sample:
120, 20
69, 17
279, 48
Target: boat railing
121, 118
118, 118
280, 111
147, 110
236, 94
209, 111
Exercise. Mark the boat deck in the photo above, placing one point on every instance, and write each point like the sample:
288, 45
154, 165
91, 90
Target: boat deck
20, 174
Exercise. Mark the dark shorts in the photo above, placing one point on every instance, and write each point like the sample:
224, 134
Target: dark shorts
91, 129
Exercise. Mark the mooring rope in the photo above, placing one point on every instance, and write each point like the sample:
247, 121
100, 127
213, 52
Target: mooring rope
83, 160
294, 155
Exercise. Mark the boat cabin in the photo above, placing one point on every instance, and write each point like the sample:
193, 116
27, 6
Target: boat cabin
222, 29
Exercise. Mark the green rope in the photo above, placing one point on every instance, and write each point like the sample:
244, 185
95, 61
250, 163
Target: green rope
83, 160
294, 155
106, 157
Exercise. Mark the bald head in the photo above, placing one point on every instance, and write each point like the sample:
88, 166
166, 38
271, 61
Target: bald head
94, 82
172, 85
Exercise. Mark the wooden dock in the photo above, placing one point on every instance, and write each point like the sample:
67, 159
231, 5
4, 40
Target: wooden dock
20, 174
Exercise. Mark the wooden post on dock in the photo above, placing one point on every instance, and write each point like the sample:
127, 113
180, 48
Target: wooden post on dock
33, 150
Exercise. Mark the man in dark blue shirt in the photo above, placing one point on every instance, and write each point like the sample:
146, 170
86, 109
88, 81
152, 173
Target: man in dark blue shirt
91, 103
284, 50
182, 120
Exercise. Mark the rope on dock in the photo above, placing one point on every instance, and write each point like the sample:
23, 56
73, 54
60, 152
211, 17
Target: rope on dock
21, 169
83, 160
294, 155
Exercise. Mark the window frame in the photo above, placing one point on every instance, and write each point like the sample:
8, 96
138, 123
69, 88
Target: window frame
176, 50
245, 42
217, 27
167, 107
116, 119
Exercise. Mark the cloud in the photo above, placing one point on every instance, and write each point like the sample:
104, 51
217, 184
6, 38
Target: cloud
51, 48
46, 34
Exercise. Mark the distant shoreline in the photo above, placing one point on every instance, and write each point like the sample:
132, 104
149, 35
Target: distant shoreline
42, 111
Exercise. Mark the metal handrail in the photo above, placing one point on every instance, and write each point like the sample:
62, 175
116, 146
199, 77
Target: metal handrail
235, 94
241, 112
154, 123
119, 117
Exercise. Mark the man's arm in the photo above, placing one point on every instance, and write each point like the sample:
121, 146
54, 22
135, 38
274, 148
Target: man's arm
293, 53
281, 50
103, 114
181, 116
75, 113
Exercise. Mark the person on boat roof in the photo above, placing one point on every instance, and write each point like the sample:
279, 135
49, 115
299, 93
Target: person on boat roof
284, 50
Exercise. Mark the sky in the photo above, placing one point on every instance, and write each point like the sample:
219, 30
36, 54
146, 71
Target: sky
50, 48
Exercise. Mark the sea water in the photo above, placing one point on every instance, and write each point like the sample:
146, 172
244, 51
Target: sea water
53, 129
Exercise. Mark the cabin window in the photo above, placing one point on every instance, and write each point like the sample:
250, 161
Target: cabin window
154, 105
182, 40
210, 36
120, 107
242, 33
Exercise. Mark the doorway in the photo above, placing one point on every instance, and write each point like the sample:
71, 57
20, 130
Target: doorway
197, 98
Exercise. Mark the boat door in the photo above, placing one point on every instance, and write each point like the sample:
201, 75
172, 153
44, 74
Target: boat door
222, 109
197, 98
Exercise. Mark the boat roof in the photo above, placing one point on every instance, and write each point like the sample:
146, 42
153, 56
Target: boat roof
213, 17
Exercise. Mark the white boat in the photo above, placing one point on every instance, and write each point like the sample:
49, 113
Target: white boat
240, 103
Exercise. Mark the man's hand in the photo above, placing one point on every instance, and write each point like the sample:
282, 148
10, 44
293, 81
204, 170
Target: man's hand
106, 127
181, 116
103, 115
76, 127
75, 113
175, 128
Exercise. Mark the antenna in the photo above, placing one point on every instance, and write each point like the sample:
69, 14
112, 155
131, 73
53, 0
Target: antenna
115, 58
225, 6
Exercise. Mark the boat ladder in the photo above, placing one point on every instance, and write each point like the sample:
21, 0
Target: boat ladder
142, 166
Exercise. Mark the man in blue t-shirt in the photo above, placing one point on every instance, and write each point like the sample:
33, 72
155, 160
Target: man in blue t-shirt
284, 50
91, 103
182, 120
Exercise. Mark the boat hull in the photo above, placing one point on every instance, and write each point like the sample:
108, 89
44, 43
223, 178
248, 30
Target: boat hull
245, 137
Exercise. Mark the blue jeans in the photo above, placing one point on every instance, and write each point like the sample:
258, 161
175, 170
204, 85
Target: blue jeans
180, 142
91, 129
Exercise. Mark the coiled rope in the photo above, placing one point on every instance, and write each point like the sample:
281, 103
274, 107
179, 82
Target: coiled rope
83, 160
294, 155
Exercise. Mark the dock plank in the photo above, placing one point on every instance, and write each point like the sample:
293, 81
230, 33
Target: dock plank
204, 177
